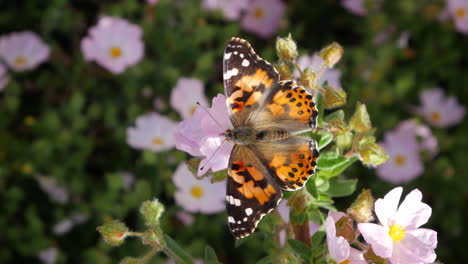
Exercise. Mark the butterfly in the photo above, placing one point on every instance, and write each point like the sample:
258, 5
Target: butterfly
268, 156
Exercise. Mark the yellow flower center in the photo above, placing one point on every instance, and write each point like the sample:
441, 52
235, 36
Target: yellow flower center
347, 261
20, 60
197, 191
115, 52
259, 13
158, 141
400, 160
460, 12
435, 116
192, 110
396, 232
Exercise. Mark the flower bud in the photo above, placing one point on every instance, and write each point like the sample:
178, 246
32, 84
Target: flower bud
152, 211
284, 69
370, 153
361, 209
286, 48
344, 140
309, 78
345, 228
113, 232
360, 121
333, 98
331, 54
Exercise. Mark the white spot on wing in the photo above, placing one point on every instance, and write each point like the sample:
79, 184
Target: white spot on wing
245, 63
227, 55
245, 219
237, 202
230, 73
231, 219
248, 211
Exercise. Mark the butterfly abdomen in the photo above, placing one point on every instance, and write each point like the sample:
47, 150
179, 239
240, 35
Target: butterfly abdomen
272, 135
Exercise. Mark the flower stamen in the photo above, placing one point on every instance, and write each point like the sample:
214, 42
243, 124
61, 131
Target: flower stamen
397, 232
115, 52
400, 160
197, 191
460, 12
157, 141
20, 60
259, 13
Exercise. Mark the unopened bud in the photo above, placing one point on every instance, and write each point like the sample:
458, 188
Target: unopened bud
344, 140
333, 98
360, 121
370, 153
152, 211
371, 257
345, 228
361, 209
284, 69
113, 232
331, 54
309, 78
286, 48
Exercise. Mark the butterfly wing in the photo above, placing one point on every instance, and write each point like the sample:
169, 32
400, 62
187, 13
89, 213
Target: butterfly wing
286, 106
292, 160
246, 78
251, 191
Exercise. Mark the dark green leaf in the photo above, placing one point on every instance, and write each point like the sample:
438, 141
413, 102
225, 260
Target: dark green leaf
312, 188
330, 167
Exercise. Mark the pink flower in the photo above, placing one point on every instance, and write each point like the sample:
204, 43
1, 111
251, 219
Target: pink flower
339, 249
3, 77
48, 255
198, 195
427, 141
263, 17
231, 9
201, 135
23, 50
398, 237
458, 10
439, 110
185, 95
54, 192
314, 62
355, 6
153, 132
113, 43
404, 164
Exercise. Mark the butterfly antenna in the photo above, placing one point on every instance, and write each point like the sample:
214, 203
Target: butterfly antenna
208, 112
212, 155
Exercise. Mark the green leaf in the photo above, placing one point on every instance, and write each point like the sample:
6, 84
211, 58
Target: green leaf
210, 256
325, 139
317, 239
339, 114
330, 166
241, 241
312, 188
177, 251
300, 248
341, 188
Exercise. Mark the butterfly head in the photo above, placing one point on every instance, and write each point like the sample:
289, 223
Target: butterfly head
241, 136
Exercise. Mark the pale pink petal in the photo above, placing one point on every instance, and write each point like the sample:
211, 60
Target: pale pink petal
185, 95
336, 215
188, 134
48, 255
338, 247
23, 51
263, 17
412, 213
416, 247
387, 207
356, 257
217, 152
378, 237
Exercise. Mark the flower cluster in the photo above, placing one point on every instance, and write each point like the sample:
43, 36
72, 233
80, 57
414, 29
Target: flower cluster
262, 17
409, 140
397, 237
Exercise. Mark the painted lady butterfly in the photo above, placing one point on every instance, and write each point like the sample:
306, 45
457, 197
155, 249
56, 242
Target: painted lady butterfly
267, 157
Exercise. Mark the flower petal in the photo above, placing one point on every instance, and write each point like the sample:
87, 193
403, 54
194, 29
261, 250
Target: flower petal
413, 213
387, 207
378, 237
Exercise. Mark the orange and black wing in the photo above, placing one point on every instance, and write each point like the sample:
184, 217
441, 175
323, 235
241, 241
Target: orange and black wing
246, 78
292, 161
251, 191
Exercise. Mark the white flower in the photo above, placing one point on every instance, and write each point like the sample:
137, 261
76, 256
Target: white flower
458, 10
152, 132
198, 195
185, 95
23, 50
114, 43
398, 237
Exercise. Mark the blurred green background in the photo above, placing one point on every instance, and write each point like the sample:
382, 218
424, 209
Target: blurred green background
67, 119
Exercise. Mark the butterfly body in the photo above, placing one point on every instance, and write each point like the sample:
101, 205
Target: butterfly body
268, 155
